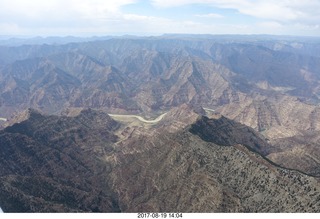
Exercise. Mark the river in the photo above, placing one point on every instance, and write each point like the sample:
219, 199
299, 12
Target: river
139, 117
207, 109
147, 121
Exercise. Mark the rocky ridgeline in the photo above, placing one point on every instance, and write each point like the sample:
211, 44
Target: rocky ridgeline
89, 162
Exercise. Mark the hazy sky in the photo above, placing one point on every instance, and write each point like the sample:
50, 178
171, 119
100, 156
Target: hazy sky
153, 17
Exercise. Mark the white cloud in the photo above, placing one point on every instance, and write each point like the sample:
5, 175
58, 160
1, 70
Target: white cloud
43, 17
99, 8
80, 17
88, 17
211, 15
270, 25
9, 28
295, 17
59, 10
142, 18
40, 7
283, 11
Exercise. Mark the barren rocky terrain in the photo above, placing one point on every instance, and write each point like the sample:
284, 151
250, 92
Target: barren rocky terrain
256, 150
89, 162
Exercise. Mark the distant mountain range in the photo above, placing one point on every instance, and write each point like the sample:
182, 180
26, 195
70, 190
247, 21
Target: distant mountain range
164, 72
259, 143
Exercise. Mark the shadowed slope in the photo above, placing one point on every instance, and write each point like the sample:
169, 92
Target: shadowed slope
51, 163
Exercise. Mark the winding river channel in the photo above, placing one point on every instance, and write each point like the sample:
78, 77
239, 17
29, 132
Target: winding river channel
133, 116
143, 119
138, 117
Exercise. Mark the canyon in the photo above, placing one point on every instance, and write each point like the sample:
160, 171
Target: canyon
185, 123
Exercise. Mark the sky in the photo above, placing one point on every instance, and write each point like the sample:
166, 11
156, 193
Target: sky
156, 17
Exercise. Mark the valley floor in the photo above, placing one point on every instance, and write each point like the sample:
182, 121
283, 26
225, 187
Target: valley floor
138, 117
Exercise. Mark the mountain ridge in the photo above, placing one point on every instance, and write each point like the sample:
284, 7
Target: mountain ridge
157, 168
263, 92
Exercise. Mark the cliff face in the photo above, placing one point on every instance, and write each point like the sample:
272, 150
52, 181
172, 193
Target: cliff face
89, 162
